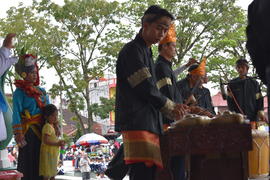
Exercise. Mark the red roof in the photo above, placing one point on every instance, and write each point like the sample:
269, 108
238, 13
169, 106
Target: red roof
265, 103
218, 100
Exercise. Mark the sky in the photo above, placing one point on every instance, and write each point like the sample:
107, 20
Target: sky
6, 4
50, 80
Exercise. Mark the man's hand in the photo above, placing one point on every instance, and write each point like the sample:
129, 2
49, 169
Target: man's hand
261, 116
191, 61
200, 111
180, 110
19, 138
191, 100
8, 41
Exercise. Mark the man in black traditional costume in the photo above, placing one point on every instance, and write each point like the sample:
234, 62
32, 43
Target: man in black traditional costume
138, 101
192, 90
166, 83
244, 94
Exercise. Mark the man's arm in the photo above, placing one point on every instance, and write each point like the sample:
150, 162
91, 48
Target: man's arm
180, 69
141, 81
164, 81
5, 60
209, 103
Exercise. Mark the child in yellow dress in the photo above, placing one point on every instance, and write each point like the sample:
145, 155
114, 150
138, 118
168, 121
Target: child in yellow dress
50, 146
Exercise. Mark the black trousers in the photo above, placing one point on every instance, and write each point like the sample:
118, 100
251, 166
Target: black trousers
177, 167
28, 160
139, 171
117, 169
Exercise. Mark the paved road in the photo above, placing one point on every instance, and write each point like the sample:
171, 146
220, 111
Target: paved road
71, 175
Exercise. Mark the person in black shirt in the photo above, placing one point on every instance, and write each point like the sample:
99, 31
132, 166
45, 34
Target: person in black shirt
138, 101
192, 86
244, 94
166, 83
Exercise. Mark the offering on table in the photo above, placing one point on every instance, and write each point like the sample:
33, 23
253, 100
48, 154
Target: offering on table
229, 117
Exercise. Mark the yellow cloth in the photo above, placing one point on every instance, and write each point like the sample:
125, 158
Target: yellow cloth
28, 120
48, 154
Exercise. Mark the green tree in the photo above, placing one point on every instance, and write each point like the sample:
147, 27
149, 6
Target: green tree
102, 110
214, 28
67, 139
79, 132
91, 46
82, 38
34, 32
79, 40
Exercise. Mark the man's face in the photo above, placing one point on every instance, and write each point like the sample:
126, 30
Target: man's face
242, 70
170, 49
157, 30
205, 79
195, 78
32, 76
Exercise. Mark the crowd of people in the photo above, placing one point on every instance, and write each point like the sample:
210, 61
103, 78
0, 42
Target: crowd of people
149, 97
91, 159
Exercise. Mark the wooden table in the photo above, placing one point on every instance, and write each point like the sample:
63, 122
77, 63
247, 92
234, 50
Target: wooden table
217, 152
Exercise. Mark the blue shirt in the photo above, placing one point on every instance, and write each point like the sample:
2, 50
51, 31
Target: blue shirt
22, 102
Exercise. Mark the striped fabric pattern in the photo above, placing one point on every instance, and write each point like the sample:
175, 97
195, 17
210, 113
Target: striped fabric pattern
142, 146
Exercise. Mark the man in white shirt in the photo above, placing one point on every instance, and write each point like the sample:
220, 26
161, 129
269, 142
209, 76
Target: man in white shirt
5, 63
85, 167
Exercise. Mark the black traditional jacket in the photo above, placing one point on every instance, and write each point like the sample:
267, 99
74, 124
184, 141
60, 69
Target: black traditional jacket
138, 101
166, 83
201, 94
247, 94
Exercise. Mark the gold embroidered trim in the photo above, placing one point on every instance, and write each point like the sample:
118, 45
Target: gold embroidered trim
258, 96
138, 77
19, 126
163, 82
168, 108
17, 131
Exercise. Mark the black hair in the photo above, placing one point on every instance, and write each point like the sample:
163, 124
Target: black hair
241, 61
48, 110
160, 47
154, 13
191, 68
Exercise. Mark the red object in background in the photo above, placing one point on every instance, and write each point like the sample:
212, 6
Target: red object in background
102, 79
11, 158
73, 162
117, 144
73, 146
10, 175
84, 144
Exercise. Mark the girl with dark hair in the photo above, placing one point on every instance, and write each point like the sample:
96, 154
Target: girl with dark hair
50, 143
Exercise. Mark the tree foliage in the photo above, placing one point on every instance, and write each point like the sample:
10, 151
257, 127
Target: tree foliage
82, 38
34, 32
214, 28
102, 109
91, 45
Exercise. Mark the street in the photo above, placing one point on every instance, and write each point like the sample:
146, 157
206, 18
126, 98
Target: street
70, 174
